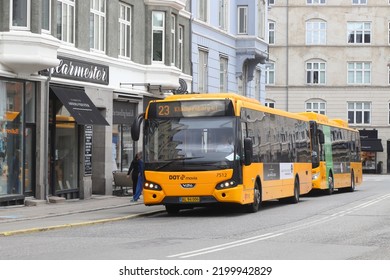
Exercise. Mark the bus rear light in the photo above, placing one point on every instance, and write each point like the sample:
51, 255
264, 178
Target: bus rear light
226, 185
152, 186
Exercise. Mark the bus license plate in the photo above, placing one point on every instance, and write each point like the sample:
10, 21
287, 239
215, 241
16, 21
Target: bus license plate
190, 199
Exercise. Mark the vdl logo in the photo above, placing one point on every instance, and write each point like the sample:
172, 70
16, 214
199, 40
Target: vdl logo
187, 185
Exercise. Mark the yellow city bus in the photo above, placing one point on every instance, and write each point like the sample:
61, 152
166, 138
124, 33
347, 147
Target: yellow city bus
336, 154
204, 149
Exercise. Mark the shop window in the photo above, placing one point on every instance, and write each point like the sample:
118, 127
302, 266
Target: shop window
63, 151
122, 147
11, 140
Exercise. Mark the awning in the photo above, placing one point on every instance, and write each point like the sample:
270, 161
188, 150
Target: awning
79, 105
371, 145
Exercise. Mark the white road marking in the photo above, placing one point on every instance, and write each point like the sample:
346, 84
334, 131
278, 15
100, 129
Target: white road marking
257, 238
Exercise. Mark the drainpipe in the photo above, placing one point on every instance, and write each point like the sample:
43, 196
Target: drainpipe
46, 138
287, 56
190, 58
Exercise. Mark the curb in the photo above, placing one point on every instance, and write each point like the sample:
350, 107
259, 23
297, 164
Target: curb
94, 222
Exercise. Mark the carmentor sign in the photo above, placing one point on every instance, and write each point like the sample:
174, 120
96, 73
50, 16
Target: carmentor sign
80, 71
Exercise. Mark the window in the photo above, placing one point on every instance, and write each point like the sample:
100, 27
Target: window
203, 70
66, 20
173, 39
388, 32
261, 18
389, 114
314, 2
98, 25
315, 72
270, 104
202, 10
359, 32
242, 19
20, 11
46, 15
315, 33
158, 45
181, 46
272, 2
316, 107
271, 32
223, 14
270, 74
359, 73
223, 73
257, 81
388, 75
125, 30
359, 2
359, 112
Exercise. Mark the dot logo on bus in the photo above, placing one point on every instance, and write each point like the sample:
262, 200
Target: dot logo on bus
177, 177
181, 177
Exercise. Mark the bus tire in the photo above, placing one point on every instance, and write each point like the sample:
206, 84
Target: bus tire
330, 189
353, 184
295, 198
255, 205
172, 209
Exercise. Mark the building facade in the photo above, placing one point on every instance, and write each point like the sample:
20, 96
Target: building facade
333, 57
73, 76
229, 46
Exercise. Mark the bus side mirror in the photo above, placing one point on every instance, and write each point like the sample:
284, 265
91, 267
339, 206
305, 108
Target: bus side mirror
321, 137
248, 151
136, 127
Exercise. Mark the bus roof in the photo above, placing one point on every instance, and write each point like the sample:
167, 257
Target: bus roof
241, 101
209, 96
322, 119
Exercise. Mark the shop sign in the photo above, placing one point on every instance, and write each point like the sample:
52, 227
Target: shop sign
80, 71
88, 150
123, 112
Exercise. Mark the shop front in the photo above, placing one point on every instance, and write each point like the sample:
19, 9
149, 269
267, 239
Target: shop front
123, 148
371, 145
73, 121
71, 118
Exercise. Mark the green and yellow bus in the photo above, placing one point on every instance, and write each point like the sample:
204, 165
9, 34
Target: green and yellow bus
203, 149
336, 154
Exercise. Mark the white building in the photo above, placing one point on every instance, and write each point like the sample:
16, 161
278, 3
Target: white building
332, 57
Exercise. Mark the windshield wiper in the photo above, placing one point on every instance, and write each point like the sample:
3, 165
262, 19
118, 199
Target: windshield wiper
175, 159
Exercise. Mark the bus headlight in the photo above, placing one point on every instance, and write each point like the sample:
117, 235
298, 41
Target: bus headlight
226, 185
315, 176
152, 186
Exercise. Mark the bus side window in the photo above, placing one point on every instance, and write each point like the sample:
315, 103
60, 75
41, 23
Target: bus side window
321, 137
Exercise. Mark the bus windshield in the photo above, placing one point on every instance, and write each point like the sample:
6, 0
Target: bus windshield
192, 144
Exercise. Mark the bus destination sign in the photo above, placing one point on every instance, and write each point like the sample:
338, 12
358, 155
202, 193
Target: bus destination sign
191, 108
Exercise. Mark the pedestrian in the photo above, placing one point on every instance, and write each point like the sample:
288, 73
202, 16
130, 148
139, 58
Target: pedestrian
135, 170
140, 181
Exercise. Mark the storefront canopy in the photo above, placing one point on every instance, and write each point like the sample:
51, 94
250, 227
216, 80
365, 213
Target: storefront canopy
371, 145
79, 105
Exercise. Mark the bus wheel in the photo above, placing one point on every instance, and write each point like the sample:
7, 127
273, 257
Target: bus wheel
295, 198
172, 209
352, 187
255, 205
330, 189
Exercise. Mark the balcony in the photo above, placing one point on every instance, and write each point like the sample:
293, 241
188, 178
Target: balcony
26, 53
252, 50
176, 4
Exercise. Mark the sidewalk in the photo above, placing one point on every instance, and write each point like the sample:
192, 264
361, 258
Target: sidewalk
69, 213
